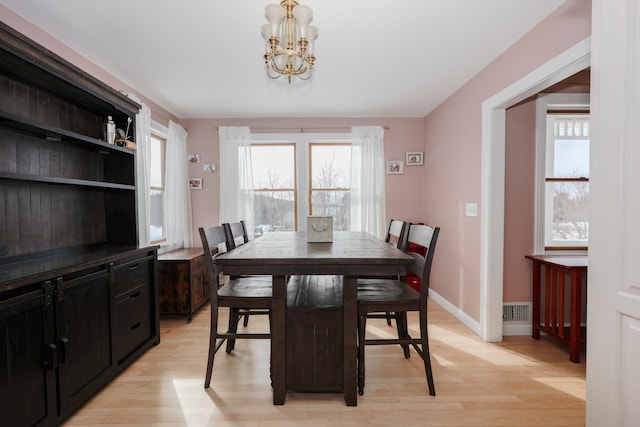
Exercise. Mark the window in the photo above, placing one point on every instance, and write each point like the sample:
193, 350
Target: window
330, 178
274, 184
157, 183
296, 175
565, 190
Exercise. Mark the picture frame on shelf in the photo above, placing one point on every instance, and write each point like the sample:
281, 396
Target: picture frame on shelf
195, 183
415, 158
395, 167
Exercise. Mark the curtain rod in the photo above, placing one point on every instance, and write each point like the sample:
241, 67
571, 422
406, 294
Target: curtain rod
302, 129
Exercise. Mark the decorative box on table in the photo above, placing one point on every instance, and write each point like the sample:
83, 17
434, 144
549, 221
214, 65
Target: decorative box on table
319, 229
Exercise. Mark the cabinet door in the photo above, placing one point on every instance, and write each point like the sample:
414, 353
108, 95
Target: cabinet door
200, 282
27, 361
84, 337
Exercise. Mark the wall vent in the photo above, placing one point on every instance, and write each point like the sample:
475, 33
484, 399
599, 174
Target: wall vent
516, 312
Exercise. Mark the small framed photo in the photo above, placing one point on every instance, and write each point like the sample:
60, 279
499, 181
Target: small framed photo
193, 158
395, 167
208, 167
195, 183
414, 158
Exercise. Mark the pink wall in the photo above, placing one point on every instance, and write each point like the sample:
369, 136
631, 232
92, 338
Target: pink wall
404, 135
35, 33
453, 139
519, 195
435, 193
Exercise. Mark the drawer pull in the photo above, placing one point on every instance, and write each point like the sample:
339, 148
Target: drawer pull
135, 296
64, 350
52, 357
134, 266
136, 326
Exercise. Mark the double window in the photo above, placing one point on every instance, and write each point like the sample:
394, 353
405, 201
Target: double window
300, 177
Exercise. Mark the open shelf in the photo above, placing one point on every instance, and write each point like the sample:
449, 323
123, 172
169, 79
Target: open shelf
65, 181
54, 134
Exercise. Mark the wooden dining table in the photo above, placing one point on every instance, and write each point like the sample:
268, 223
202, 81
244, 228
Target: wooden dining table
281, 254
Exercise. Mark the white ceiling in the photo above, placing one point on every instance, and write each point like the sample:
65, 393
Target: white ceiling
204, 58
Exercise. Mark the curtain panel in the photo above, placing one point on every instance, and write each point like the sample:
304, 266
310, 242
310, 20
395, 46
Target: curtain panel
177, 205
368, 201
143, 161
236, 178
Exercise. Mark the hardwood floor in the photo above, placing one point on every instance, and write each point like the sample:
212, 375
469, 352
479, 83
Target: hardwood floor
519, 382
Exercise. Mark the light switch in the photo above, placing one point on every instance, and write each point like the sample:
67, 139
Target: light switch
472, 209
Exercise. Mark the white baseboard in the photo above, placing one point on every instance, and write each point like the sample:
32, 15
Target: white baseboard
516, 328
467, 320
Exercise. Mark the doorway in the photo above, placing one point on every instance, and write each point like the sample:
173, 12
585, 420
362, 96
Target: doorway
493, 177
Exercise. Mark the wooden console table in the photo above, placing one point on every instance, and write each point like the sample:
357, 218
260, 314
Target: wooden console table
184, 281
555, 300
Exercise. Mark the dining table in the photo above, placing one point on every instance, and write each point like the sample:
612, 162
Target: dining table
281, 254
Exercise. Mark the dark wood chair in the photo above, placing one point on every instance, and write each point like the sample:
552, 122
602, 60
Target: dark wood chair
396, 236
396, 233
253, 292
396, 296
236, 235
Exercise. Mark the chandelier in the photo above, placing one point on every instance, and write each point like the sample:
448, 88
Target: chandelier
289, 40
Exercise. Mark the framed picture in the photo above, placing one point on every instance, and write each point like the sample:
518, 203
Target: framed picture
414, 158
208, 167
193, 158
195, 183
395, 167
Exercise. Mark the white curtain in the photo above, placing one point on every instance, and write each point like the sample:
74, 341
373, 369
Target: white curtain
236, 178
368, 202
177, 203
143, 161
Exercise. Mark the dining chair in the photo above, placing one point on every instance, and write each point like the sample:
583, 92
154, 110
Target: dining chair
396, 233
396, 296
253, 292
396, 236
236, 235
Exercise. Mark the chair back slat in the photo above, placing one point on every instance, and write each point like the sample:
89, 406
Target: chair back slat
212, 238
236, 233
396, 234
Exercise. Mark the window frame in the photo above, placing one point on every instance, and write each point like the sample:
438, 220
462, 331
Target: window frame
295, 178
159, 132
310, 171
556, 103
301, 141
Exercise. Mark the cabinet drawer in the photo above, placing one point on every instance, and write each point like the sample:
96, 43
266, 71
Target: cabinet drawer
133, 324
132, 273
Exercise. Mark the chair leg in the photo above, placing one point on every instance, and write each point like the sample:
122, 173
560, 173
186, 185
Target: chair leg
213, 334
362, 326
245, 322
388, 318
234, 318
426, 354
403, 331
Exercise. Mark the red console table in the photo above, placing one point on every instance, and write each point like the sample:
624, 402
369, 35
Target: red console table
555, 300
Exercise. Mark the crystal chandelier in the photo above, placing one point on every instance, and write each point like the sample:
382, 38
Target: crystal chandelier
289, 39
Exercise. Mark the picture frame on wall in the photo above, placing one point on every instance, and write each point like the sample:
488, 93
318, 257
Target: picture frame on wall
193, 158
195, 183
414, 158
395, 167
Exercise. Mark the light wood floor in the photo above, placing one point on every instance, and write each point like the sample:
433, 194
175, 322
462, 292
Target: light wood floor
520, 382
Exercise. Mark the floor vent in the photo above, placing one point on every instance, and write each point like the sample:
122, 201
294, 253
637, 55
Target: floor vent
516, 312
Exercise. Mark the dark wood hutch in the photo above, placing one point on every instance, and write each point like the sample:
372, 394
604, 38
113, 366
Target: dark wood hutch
78, 296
